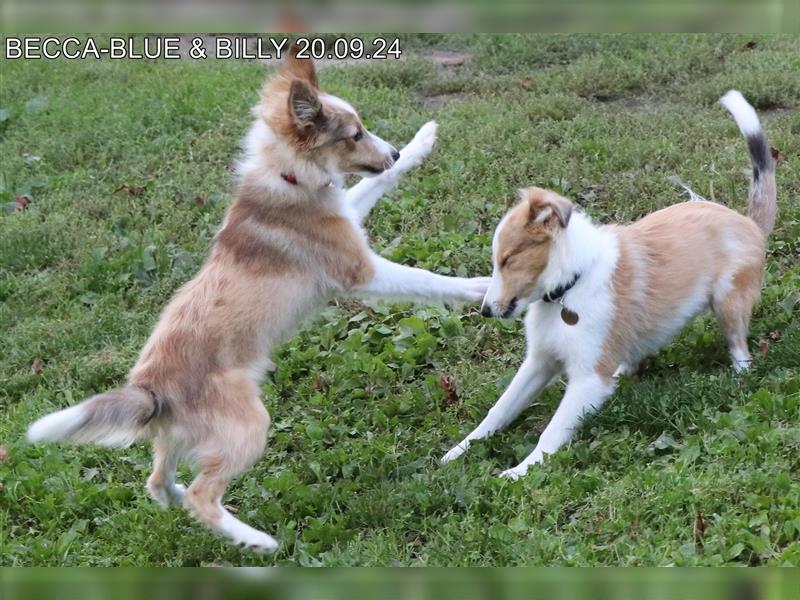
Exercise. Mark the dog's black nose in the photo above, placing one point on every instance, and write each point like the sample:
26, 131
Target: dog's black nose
486, 310
395, 155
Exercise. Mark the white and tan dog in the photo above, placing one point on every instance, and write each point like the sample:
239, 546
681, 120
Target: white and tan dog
600, 299
291, 241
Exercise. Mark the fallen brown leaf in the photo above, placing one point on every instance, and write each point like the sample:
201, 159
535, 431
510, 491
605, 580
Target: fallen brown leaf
486, 353
36, 366
526, 83
199, 200
319, 382
3, 454
750, 45
699, 528
777, 155
448, 384
133, 190
22, 202
763, 346
775, 335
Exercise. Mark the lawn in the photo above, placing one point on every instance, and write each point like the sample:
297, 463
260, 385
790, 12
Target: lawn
114, 176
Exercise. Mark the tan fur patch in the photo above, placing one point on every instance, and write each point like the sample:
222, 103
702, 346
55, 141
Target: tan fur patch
662, 258
299, 68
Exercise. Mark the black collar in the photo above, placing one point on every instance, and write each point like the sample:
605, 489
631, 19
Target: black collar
558, 293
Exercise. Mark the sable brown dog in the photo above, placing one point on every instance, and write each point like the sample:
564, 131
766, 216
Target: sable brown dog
291, 241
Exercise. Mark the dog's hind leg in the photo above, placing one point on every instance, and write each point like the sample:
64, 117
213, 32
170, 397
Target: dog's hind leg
363, 196
204, 500
233, 438
533, 375
161, 484
584, 395
733, 309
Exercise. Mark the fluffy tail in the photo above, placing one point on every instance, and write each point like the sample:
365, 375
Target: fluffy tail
115, 418
762, 204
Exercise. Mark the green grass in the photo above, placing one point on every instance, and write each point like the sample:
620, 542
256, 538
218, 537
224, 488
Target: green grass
114, 156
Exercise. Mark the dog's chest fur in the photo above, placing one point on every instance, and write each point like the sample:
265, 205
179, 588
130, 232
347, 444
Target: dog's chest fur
314, 237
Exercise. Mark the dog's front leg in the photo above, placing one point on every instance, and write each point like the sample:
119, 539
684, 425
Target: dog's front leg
363, 196
533, 375
391, 281
584, 395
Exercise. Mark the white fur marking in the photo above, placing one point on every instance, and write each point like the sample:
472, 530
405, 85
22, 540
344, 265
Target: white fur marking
241, 533
399, 282
741, 360
338, 102
543, 214
584, 395
743, 113
56, 426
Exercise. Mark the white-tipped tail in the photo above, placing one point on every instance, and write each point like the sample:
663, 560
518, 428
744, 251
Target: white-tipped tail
58, 425
762, 200
743, 113
114, 418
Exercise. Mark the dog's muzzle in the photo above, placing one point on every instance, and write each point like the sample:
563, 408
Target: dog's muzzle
488, 311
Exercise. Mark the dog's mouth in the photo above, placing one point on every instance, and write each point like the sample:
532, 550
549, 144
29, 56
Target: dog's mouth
487, 310
371, 169
512, 306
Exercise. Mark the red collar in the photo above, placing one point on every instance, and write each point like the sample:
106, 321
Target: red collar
292, 179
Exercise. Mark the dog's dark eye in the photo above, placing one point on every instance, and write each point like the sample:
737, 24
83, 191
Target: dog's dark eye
359, 134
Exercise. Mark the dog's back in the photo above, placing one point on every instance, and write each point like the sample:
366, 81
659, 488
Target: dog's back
678, 260
671, 265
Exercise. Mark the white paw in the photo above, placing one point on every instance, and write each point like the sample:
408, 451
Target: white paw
454, 452
258, 541
624, 370
740, 366
515, 473
417, 149
474, 288
244, 536
167, 496
176, 494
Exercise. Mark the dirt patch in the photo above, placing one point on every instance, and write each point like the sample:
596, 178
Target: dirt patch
447, 59
447, 63
439, 100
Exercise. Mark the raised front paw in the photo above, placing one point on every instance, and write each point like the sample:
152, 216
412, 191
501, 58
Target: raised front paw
474, 288
417, 149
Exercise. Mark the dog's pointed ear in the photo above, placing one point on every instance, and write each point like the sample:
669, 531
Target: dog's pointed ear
299, 68
304, 106
547, 208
